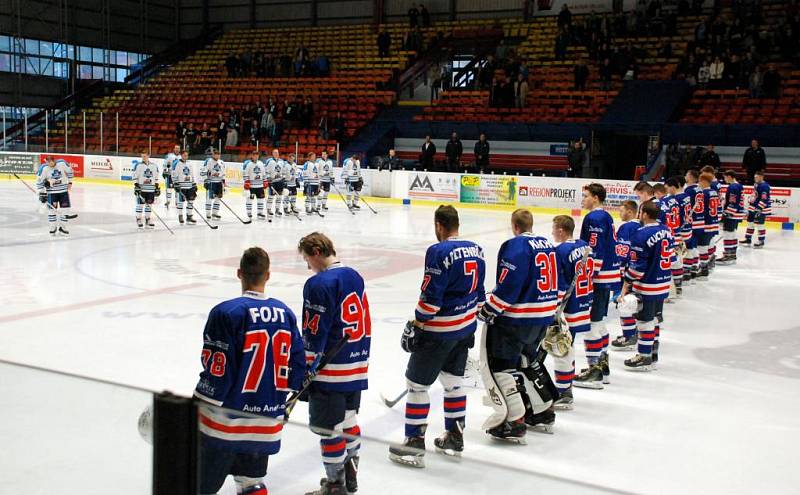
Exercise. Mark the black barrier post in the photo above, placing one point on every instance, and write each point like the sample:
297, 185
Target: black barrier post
174, 445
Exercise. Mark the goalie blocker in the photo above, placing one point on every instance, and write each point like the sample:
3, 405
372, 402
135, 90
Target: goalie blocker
517, 314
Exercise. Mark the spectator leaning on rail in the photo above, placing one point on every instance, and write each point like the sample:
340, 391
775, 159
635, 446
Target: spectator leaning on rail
754, 159
576, 158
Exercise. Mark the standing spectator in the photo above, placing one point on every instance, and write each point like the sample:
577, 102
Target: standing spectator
222, 132
606, 72
581, 74
454, 150
234, 119
482, 154
716, 70
413, 17
564, 17
496, 94
436, 81
180, 132
426, 16
272, 107
428, 154
307, 112
384, 42
192, 138
255, 133
289, 113
340, 128
754, 159
204, 138
576, 158
501, 51
756, 83
710, 158
772, 83
521, 91
232, 139
703, 74
323, 126
507, 91
733, 72
258, 111
562, 42
268, 125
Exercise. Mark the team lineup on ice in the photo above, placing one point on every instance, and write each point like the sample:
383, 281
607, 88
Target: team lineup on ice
368, 308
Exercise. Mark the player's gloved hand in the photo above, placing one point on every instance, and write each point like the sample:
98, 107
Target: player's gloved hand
137, 190
47, 184
158, 191
412, 337
247, 185
193, 189
485, 315
206, 185
42, 197
266, 184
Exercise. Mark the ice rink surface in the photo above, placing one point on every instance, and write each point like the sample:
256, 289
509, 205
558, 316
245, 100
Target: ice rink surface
111, 302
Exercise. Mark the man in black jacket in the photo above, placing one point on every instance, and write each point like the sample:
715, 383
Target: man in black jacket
384, 42
428, 154
391, 162
754, 159
453, 151
710, 158
482, 154
576, 157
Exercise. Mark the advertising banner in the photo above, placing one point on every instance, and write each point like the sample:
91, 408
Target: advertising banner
548, 192
489, 189
785, 203
433, 186
18, 163
559, 149
75, 162
102, 167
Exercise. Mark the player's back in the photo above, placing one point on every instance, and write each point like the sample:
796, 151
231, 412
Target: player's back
711, 210
651, 262
452, 288
573, 262
734, 201
252, 357
624, 235
597, 229
335, 305
762, 198
674, 214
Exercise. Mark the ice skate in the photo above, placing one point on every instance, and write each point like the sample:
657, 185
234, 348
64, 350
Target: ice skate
139, 224
180, 219
565, 402
592, 377
261, 216
327, 487
639, 362
410, 453
605, 368
150, 225
542, 422
728, 259
758, 245
512, 432
623, 343
63, 231
746, 242
190, 219
216, 216
351, 474
451, 443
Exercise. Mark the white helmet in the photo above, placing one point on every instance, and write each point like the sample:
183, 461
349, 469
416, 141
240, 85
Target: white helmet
629, 305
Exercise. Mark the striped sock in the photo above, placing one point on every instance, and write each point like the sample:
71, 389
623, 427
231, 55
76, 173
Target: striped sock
646, 336
333, 456
418, 405
762, 234
628, 324
353, 432
564, 378
455, 408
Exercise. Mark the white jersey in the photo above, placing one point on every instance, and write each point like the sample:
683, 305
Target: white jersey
290, 174
168, 161
58, 177
255, 172
311, 173
213, 171
352, 170
275, 170
183, 174
325, 170
146, 175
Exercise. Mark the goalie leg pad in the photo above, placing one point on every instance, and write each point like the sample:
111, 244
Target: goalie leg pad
538, 387
515, 404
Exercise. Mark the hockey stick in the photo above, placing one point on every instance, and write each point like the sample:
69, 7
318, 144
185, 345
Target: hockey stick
153, 211
47, 203
342, 196
202, 217
391, 403
368, 206
326, 359
246, 222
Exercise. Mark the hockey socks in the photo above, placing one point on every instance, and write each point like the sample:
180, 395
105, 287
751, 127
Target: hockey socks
418, 405
333, 457
647, 335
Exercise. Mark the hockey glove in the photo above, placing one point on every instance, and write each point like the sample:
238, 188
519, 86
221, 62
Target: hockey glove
206, 185
486, 316
47, 184
158, 191
42, 197
137, 190
247, 185
411, 341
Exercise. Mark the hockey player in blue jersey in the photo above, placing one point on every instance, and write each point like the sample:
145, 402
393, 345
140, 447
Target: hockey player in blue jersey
574, 260
597, 230
252, 357
166, 172
517, 314
55, 180
439, 338
145, 189
695, 194
759, 208
648, 275
212, 173
732, 214
335, 307
672, 213
707, 207
628, 212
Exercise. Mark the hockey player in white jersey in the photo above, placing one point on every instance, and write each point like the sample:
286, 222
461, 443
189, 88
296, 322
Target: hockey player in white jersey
277, 183
185, 187
145, 189
325, 165
212, 173
55, 179
166, 172
290, 174
311, 183
351, 173
254, 173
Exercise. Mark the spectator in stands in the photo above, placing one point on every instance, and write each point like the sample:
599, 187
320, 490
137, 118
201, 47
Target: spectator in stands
267, 124
709, 158
232, 65
716, 69
482, 154
486, 73
428, 154
258, 111
520, 91
509, 98
339, 128
772, 82
234, 119
272, 107
754, 159
222, 132
426, 16
307, 112
232, 139
290, 113
576, 158
453, 151
756, 82
180, 132
581, 73
606, 72
204, 138
703, 75
564, 17
255, 133
384, 42
192, 138
391, 162
562, 43
413, 17
733, 72
496, 94
322, 125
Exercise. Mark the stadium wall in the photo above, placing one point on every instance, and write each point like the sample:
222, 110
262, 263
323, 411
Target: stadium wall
415, 187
